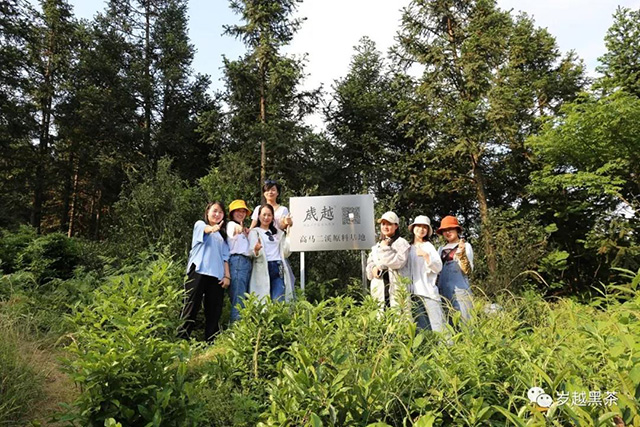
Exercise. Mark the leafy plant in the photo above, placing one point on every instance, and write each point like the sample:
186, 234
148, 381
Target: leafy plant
52, 256
125, 355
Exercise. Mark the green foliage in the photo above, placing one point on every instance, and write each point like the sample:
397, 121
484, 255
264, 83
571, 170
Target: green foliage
264, 97
620, 64
341, 363
20, 385
54, 273
593, 147
39, 309
525, 258
125, 355
233, 179
48, 257
588, 180
52, 256
12, 244
157, 211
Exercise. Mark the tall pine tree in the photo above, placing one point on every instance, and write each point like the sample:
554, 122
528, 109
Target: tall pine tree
266, 106
488, 79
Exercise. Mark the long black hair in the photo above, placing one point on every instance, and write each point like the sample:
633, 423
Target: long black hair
272, 227
223, 229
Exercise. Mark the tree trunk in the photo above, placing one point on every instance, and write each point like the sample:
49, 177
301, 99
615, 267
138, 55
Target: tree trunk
478, 178
147, 81
66, 197
263, 120
98, 216
43, 148
74, 202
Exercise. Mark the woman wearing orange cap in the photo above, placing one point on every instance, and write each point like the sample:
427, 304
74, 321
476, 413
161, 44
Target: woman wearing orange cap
387, 257
240, 257
457, 264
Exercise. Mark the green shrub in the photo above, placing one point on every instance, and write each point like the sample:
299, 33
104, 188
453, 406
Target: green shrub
345, 364
12, 244
524, 257
40, 309
156, 212
52, 256
125, 355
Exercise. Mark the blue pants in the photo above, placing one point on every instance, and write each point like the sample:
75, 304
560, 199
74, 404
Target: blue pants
277, 280
428, 313
454, 287
240, 269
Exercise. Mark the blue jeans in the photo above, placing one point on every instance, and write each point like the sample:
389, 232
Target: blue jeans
240, 269
428, 313
277, 280
454, 287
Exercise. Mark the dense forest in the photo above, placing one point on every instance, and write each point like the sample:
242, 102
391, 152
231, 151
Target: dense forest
111, 145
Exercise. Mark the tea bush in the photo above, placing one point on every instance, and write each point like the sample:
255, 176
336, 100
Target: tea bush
344, 363
125, 356
339, 362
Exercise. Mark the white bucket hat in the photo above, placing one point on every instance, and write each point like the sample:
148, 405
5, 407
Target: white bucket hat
422, 220
391, 217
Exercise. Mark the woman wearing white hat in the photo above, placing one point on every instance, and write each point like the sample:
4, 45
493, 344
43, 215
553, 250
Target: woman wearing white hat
423, 267
387, 257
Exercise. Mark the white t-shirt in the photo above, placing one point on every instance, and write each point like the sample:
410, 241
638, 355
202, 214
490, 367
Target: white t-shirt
467, 246
281, 212
238, 243
423, 275
270, 246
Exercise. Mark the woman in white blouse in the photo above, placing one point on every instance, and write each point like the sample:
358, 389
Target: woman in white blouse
423, 266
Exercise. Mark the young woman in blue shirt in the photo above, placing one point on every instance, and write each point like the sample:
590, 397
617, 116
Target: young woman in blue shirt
208, 271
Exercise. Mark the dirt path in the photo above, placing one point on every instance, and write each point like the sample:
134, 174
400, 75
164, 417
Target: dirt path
57, 386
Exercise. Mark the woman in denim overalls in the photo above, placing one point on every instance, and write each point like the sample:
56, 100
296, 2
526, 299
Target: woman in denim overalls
457, 264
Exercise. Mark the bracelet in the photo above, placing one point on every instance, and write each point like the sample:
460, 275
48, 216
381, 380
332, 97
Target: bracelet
227, 277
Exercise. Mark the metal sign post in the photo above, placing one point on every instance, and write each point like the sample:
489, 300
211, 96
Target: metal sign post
363, 264
332, 223
302, 271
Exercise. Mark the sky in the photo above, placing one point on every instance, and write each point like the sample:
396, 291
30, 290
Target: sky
333, 27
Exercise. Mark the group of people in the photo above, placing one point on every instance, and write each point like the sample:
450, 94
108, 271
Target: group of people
227, 254
435, 276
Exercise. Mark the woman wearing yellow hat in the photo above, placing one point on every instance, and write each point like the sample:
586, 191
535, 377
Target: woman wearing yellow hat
240, 259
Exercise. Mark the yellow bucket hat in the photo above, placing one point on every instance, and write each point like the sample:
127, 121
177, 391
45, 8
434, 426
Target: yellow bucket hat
239, 204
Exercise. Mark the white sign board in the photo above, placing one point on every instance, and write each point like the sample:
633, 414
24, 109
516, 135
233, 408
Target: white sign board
332, 223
